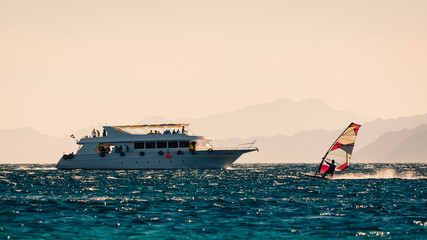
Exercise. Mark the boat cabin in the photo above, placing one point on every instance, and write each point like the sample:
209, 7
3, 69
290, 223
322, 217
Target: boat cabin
158, 137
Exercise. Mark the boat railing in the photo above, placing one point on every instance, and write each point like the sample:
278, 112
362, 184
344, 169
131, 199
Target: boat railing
243, 146
249, 144
232, 148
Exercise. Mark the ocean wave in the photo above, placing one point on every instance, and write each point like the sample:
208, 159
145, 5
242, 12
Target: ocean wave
382, 174
249, 202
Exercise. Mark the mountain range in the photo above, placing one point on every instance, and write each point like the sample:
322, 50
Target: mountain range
397, 146
280, 117
400, 146
26, 145
286, 132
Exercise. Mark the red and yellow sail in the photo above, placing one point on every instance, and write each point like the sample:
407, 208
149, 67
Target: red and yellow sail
341, 149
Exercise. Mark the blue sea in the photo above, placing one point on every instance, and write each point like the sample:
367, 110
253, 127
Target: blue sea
248, 201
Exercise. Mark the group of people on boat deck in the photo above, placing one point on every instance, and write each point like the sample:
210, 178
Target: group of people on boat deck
168, 131
97, 133
164, 132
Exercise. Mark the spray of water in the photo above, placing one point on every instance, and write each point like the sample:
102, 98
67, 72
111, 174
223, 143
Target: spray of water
37, 168
381, 174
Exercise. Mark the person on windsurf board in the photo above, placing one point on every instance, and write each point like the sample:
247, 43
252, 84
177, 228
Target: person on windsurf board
331, 168
338, 156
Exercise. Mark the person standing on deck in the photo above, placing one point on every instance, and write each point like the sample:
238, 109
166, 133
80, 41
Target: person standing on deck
331, 168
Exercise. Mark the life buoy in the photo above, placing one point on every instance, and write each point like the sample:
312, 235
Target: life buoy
141, 153
122, 154
210, 150
180, 152
102, 154
160, 153
168, 155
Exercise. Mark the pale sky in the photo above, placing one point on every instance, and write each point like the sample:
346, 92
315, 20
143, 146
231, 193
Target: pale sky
66, 65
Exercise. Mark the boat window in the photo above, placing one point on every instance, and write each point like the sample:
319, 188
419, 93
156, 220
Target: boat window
173, 144
139, 145
161, 144
184, 144
150, 145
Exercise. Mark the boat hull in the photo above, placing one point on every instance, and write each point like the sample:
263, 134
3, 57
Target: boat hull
153, 160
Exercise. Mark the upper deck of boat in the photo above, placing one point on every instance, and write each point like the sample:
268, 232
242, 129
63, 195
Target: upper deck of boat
148, 132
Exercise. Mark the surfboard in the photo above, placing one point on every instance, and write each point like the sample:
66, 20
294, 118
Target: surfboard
315, 176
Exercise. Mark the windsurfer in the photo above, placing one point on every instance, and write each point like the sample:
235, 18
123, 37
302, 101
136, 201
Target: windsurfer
331, 168
340, 150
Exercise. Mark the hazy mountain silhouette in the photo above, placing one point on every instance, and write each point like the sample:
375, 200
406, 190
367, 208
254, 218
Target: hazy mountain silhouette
309, 146
25, 145
397, 146
287, 131
304, 147
280, 117
372, 130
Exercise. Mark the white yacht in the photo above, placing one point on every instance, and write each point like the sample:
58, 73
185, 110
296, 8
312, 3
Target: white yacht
160, 146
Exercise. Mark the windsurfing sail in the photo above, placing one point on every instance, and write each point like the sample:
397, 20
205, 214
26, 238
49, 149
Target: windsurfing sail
341, 150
